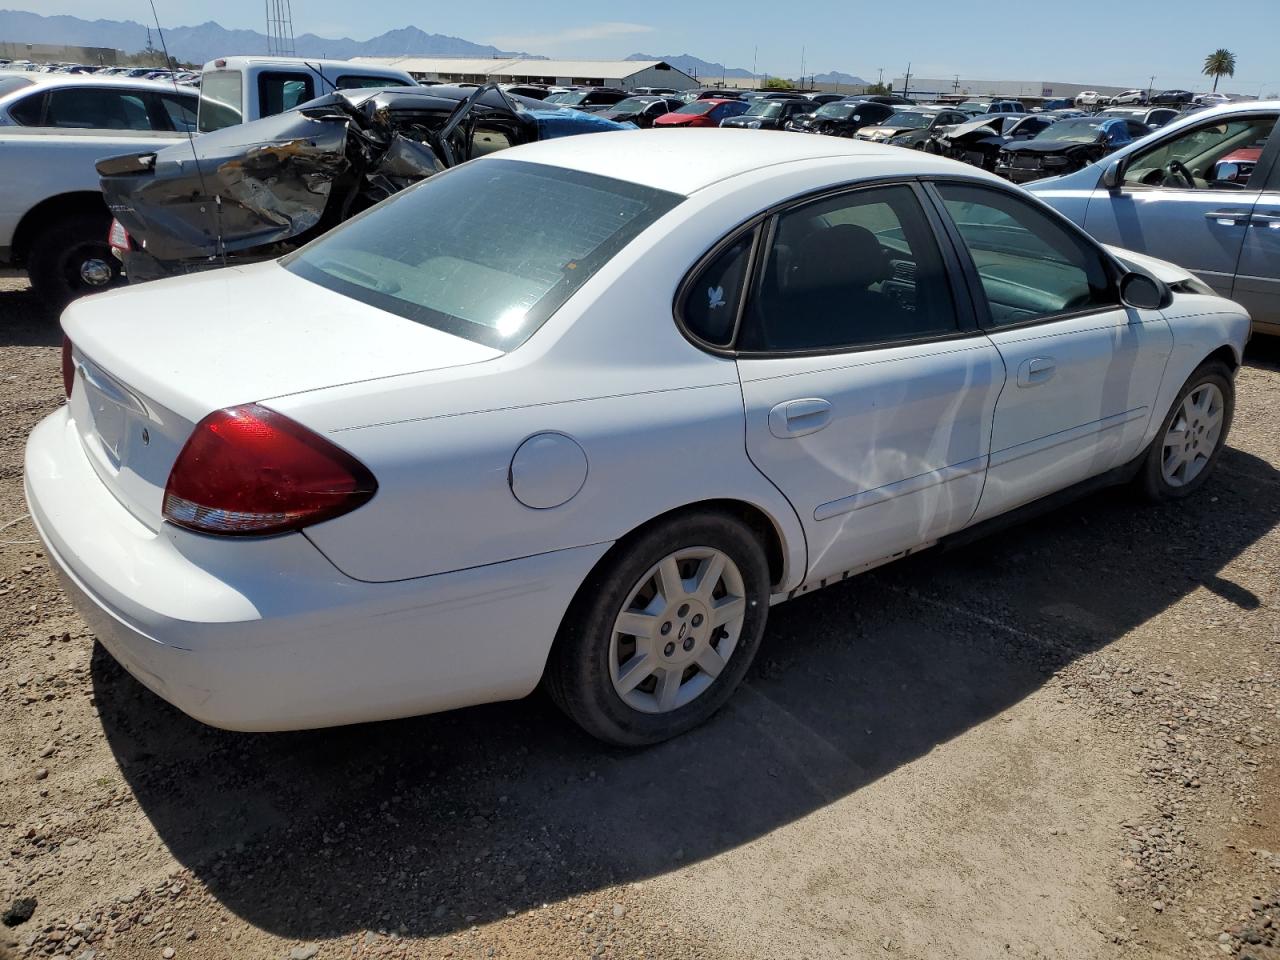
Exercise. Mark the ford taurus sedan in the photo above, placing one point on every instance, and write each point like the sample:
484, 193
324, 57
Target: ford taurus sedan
580, 412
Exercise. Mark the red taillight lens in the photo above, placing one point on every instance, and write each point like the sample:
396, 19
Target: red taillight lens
118, 236
249, 471
68, 367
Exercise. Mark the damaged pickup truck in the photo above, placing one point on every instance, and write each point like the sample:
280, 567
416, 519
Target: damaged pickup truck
257, 190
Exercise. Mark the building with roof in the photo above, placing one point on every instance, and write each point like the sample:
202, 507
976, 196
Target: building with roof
624, 74
927, 87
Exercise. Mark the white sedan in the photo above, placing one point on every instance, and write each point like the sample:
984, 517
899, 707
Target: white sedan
582, 411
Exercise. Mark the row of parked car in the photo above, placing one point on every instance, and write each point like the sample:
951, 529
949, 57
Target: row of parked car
188, 77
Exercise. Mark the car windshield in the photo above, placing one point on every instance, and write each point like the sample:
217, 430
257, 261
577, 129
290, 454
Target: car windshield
570, 99
974, 105
1078, 130
766, 108
837, 111
632, 104
911, 121
698, 107
486, 251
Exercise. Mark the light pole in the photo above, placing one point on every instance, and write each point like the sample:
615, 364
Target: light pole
1150, 86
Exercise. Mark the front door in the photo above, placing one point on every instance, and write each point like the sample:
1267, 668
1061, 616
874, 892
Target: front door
1172, 205
1257, 286
868, 395
1082, 371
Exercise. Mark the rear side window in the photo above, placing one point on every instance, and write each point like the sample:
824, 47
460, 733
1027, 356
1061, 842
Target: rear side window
713, 298
29, 111
852, 270
94, 108
486, 251
1031, 267
181, 112
221, 93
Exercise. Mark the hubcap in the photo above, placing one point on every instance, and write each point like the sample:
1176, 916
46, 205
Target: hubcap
1193, 435
677, 630
95, 272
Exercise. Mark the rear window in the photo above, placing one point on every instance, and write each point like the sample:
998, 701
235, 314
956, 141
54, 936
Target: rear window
354, 82
9, 84
220, 98
486, 251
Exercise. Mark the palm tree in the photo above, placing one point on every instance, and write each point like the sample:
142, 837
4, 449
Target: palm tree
1220, 63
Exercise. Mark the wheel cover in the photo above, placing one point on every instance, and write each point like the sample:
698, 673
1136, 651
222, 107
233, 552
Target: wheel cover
677, 630
1193, 435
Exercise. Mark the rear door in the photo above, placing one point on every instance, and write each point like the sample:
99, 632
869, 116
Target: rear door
1170, 204
1081, 370
868, 389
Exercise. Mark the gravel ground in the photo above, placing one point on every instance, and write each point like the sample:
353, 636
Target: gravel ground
1057, 742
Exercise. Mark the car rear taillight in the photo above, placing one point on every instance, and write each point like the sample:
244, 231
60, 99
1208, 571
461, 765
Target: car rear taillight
68, 367
249, 471
118, 237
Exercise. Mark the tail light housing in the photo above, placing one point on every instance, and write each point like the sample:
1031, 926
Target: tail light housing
249, 471
118, 237
68, 367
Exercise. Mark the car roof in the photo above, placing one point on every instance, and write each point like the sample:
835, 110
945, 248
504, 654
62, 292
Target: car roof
694, 159
92, 80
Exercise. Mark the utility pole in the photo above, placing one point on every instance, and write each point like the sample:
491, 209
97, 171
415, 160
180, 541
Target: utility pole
1150, 85
880, 82
906, 83
755, 55
955, 84
802, 67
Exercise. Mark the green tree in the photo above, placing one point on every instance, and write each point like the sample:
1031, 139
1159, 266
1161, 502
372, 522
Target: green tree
880, 88
1220, 63
776, 83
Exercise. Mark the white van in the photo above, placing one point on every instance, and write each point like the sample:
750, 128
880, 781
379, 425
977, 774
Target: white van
239, 89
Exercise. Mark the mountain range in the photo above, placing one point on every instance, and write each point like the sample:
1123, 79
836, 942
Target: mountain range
205, 41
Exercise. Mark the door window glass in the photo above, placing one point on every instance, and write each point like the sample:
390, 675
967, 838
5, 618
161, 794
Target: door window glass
712, 300
96, 109
1219, 155
220, 95
278, 92
29, 111
851, 270
1030, 266
181, 112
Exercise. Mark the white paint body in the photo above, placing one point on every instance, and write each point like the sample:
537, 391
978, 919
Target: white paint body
446, 589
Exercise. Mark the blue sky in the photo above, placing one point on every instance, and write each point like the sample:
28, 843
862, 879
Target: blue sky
1086, 41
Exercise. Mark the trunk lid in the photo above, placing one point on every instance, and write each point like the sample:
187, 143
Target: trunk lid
152, 361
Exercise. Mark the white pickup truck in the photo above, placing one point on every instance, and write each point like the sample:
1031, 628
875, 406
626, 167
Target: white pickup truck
54, 129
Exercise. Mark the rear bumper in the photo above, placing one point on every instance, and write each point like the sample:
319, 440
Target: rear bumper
267, 634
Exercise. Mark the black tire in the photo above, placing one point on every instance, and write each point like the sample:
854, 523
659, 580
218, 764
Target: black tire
578, 676
1151, 479
57, 255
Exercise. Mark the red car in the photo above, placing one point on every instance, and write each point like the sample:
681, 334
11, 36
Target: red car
702, 113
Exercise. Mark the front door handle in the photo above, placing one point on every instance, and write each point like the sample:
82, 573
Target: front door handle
1266, 220
1037, 370
799, 418
1228, 218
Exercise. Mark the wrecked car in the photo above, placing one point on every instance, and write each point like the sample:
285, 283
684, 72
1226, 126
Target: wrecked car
257, 190
1067, 146
980, 141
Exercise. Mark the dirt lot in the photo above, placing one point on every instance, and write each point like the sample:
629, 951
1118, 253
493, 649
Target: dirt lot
1059, 742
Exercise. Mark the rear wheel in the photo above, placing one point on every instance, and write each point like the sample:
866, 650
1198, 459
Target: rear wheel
72, 258
663, 632
1190, 439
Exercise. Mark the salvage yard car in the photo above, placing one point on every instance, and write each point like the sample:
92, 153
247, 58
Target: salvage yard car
844, 118
408, 467
771, 114
701, 113
259, 189
1204, 192
1066, 146
980, 140
913, 127
641, 111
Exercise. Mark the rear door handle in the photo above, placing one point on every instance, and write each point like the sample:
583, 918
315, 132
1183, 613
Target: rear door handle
1228, 218
1037, 370
1266, 220
799, 418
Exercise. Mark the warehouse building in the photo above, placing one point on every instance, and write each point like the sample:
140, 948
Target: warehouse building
921, 88
625, 74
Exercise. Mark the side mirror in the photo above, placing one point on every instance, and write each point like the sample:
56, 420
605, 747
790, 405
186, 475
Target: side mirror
1143, 292
1113, 176
1228, 172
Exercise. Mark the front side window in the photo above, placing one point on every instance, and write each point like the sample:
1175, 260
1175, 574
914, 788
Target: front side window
486, 251
1031, 267
1196, 158
278, 92
852, 270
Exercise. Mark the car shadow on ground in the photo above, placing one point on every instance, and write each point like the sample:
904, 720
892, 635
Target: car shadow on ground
430, 824
27, 322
